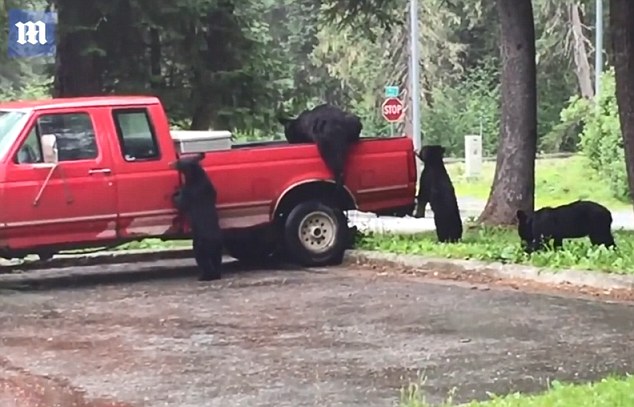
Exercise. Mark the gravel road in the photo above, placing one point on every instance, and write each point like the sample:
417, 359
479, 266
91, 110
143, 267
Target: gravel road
341, 336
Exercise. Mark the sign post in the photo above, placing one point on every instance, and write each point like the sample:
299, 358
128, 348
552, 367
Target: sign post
392, 110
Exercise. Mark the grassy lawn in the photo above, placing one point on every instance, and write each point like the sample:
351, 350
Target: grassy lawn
557, 181
502, 244
609, 392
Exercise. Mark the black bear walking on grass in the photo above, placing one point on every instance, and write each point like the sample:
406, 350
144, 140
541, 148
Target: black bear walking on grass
196, 199
331, 129
436, 188
570, 221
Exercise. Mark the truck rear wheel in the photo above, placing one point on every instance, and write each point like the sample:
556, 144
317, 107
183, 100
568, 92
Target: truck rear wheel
316, 234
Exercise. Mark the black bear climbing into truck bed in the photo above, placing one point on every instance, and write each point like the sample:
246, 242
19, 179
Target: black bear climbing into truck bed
436, 188
570, 221
331, 129
196, 199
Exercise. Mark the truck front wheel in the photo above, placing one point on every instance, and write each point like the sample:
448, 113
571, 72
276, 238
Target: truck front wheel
316, 234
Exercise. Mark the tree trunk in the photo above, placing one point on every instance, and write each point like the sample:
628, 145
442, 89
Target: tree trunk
514, 182
202, 119
215, 70
621, 17
155, 52
77, 73
582, 66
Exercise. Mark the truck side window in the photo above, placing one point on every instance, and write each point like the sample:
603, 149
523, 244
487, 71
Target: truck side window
75, 138
136, 135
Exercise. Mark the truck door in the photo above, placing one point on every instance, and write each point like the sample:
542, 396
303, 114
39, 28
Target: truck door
145, 183
71, 202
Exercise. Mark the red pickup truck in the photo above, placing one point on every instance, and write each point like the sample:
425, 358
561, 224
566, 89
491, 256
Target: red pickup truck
94, 172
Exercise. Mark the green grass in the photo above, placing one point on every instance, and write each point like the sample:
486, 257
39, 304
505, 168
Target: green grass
557, 181
609, 392
154, 244
503, 245
145, 244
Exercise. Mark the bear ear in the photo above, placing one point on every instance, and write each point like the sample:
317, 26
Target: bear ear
284, 121
442, 150
423, 153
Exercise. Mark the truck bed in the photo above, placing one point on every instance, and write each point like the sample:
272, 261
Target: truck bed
260, 171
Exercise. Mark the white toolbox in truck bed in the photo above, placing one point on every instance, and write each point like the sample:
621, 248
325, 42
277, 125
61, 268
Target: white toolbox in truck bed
201, 141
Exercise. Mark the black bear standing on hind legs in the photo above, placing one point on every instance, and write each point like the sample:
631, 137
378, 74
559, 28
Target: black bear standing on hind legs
436, 188
196, 199
573, 220
331, 129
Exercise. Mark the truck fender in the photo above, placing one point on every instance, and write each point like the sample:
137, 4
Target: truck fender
308, 189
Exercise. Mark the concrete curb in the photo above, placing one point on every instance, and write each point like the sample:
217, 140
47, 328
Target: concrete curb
99, 258
112, 267
67, 277
498, 270
119, 273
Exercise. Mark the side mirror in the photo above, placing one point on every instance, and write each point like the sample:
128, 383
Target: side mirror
49, 148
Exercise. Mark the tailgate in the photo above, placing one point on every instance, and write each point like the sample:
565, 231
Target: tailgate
381, 173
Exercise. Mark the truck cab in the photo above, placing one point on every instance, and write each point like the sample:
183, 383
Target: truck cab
95, 172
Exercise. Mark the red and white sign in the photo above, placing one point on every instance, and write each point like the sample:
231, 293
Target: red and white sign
392, 109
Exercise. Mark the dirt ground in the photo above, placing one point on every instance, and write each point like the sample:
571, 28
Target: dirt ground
343, 336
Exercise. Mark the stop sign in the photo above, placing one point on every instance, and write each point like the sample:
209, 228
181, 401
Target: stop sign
392, 109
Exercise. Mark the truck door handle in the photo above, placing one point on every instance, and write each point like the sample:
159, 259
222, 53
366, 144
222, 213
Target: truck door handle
99, 171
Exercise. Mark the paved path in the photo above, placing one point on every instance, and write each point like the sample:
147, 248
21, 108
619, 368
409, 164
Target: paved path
297, 338
469, 207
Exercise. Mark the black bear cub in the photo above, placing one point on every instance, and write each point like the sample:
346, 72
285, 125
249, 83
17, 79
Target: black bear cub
196, 199
570, 221
436, 188
331, 129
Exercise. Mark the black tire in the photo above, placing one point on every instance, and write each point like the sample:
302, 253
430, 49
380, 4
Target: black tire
325, 244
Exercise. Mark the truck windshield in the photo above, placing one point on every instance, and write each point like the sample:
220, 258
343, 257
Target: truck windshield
10, 125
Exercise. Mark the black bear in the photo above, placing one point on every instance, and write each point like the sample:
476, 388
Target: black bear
196, 199
331, 129
436, 188
570, 221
